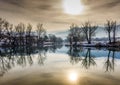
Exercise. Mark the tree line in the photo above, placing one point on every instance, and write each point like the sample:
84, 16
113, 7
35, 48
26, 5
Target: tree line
87, 31
25, 35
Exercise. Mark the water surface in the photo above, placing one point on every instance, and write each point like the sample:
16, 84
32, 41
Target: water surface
59, 65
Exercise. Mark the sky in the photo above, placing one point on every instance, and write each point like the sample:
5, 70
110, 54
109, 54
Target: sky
58, 15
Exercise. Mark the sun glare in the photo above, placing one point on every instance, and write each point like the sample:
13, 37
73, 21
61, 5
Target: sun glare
73, 76
73, 7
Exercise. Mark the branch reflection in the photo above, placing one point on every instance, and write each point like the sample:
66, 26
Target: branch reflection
110, 61
23, 56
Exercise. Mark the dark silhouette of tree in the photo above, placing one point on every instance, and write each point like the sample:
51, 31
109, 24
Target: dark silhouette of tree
88, 59
113, 60
59, 41
114, 31
9, 32
29, 38
53, 38
29, 55
21, 59
109, 27
41, 32
1, 28
74, 54
41, 57
75, 35
89, 31
20, 33
109, 64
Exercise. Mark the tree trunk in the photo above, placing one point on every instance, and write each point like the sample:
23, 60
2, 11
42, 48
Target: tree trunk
109, 38
70, 41
89, 42
89, 36
114, 35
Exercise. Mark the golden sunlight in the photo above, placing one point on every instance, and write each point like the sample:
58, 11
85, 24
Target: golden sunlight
73, 76
73, 7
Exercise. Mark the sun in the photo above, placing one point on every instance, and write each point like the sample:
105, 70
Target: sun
73, 76
73, 7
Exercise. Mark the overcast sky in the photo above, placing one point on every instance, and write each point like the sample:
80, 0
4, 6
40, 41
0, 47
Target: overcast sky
51, 12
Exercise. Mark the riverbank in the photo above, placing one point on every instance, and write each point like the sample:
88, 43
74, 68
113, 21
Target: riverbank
117, 44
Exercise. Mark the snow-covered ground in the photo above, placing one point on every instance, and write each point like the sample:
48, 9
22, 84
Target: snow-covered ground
93, 44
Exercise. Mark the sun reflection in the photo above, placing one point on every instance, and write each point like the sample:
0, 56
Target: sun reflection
73, 76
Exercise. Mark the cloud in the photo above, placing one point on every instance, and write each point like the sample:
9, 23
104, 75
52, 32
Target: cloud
103, 5
18, 3
52, 13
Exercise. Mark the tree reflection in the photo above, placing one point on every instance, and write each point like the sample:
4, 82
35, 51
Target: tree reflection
88, 59
6, 63
4, 66
74, 54
109, 64
41, 56
23, 56
21, 59
27, 56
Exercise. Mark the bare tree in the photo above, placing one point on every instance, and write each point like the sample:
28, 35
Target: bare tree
74, 34
53, 38
89, 31
109, 27
109, 64
1, 28
9, 31
20, 32
28, 34
114, 31
88, 60
40, 32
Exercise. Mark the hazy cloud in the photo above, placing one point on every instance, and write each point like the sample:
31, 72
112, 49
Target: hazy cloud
51, 12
